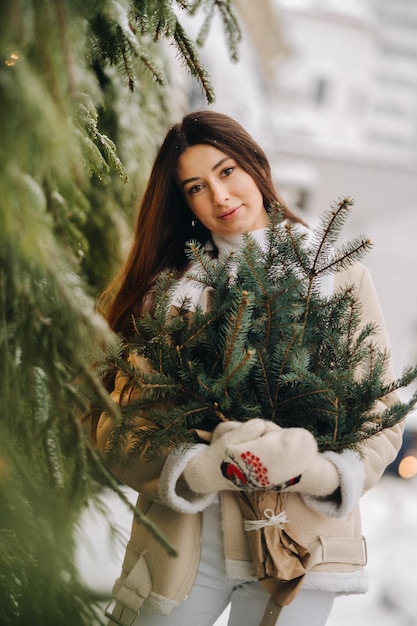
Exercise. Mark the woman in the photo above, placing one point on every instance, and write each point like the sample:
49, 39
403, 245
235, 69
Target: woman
212, 182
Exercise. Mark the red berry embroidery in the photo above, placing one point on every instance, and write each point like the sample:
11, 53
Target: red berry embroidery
249, 472
257, 472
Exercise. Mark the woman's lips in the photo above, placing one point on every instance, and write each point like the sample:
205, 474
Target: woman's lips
229, 214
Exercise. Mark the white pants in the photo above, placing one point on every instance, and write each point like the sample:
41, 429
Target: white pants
213, 591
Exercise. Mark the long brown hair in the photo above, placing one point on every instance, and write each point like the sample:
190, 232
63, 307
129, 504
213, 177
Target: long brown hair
165, 223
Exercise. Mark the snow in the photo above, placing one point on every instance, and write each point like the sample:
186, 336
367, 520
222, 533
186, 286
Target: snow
389, 514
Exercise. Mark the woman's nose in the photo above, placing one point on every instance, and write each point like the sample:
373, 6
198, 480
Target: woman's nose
220, 194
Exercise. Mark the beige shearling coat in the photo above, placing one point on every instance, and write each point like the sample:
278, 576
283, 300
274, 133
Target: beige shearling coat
331, 531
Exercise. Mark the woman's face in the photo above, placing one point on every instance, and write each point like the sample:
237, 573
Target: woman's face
222, 196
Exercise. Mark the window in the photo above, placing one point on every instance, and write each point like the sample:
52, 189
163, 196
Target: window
321, 91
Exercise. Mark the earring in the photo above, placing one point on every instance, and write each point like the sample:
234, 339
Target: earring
194, 223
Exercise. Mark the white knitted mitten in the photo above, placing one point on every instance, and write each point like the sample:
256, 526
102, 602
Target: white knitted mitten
321, 478
252, 455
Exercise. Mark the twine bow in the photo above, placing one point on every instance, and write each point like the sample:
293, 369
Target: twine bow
270, 520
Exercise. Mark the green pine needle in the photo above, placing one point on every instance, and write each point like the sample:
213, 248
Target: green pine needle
271, 345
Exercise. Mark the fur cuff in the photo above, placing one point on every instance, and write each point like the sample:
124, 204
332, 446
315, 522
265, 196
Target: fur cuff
174, 491
159, 604
351, 476
340, 583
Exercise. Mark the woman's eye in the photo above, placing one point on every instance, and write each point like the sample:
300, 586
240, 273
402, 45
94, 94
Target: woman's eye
195, 188
228, 170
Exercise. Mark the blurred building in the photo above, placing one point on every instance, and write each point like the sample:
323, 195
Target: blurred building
347, 92
394, 112
324, 88
343, 121
350, 78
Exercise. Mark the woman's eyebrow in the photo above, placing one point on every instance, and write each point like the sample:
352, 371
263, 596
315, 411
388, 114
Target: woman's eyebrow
220, 163
215, 167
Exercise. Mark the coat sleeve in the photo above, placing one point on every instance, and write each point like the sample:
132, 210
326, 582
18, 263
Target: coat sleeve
379, 451
160, 478
142, 474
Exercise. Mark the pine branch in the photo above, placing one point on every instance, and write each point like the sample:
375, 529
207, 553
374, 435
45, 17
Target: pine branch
230, 23
331, 227
158, 20
192, 59
326, 236
240, 320
269, 345
64, 111
231, 26
110, 481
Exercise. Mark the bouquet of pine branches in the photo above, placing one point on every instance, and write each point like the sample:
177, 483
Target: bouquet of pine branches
273, 343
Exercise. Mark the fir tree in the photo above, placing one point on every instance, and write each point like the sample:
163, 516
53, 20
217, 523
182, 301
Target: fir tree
67, 68
272, 344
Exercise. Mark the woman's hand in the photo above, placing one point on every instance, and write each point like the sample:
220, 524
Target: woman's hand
255, 455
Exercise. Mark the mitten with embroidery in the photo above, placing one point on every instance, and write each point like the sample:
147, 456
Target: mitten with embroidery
320, 478
251, 455
332, 484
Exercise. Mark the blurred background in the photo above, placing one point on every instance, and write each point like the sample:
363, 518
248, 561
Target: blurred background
87, 90
329, 89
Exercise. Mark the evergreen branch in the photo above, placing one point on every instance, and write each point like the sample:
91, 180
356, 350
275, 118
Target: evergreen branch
193, 61
331, 227
234, 328
301, 260
203, 384
346, 256
267, 390
309, 272
128, 68
231, 26
250, 249
200, 331
185, 415
184, 4
325, 237
230, 23
158, 76
114, 40
270, 345
204, 29
336, 420
64, 79
196, 5
93, 141
212, 271
101, 398
109, 480
158, 20
303, 395
248, 356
